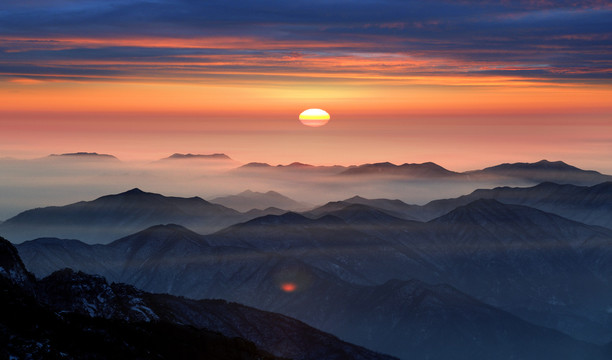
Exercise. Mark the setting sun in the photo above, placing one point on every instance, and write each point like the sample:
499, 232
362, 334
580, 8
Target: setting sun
314, 117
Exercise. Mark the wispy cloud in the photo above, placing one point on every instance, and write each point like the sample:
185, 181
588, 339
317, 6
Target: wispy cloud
391, 40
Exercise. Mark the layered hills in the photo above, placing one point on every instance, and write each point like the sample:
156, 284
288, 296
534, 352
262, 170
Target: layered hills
515, 262
478, 276
112, 216
76, 315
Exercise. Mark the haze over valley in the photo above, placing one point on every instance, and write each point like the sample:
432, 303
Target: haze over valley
306, 180
472, 276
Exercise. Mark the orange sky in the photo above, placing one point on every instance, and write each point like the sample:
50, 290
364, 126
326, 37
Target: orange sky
390, 120
408, 84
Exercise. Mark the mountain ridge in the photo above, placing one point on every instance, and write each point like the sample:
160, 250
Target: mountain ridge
112, 216
190, 156
82, 297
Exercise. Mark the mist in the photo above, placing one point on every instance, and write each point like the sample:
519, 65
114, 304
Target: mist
58, 181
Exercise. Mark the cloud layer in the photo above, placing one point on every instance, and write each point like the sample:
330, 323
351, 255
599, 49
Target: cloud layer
535, 41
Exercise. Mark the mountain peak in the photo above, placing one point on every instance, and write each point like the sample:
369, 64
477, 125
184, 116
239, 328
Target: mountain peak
215, 156
544, 171
171, 233
84, 155
356, 198
364, 214
249, 200
296, 164
255, 165
542, 164
491, 211
548, 163
134, 191
289, 217
174, 228
424, 170
11, 265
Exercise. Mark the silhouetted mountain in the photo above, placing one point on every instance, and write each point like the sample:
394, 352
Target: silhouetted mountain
526, 261
590, 205
292, 168
216, 328
410, 319
255, 213
68, 291
503, 174
396, 208
83, 156
424, 170
112, 216
544, 171
30, 330
546, 268
177, 156
296, 164
36, 325
248, 200
356, 214
11, 265
341, 247
255, 165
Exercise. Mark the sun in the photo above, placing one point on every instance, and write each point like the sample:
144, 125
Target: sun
314, 117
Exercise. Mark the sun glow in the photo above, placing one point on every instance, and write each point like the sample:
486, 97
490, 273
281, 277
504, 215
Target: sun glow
314, 117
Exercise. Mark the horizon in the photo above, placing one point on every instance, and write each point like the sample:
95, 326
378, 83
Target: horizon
459, 84
493, 242
238, 163
55, 180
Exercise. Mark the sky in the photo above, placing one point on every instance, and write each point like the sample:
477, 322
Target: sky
465, 84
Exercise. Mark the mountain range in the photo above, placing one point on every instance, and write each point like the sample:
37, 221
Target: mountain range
588, 204
427, 170
82, 156
249, 200
189, 156
76, 315
114, 216
543, 171
506, 272
110, 217
173, 259
523, 173
514, 260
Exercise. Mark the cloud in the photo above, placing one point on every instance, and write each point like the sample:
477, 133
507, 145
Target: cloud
561, 40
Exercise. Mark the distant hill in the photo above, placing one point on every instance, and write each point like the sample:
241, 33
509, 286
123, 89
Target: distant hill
252, 263
255, 165
85, 156
538, 265
543, 171
248, 200
396, 208
113, 216
108, 321
424, 170
587, 204
177, 156
509, 174
292, 168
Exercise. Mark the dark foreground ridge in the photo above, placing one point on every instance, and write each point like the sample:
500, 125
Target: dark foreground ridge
72, 315
406, 318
